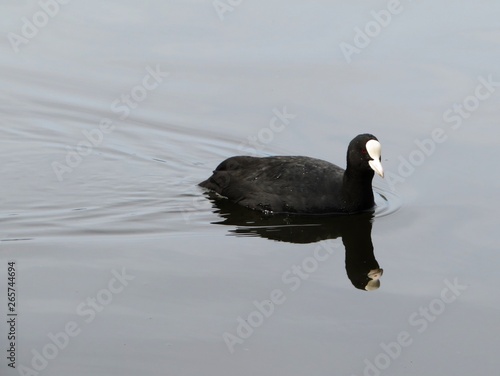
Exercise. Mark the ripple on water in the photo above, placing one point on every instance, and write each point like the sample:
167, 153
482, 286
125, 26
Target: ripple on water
387, 202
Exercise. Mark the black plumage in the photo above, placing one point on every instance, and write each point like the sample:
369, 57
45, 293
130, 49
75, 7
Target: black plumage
295, 184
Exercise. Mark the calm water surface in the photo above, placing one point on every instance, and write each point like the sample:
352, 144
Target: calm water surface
112, 113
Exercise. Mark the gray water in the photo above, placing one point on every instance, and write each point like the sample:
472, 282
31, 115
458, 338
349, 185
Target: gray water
112, 113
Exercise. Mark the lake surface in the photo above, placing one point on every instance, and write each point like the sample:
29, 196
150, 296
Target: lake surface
112, 113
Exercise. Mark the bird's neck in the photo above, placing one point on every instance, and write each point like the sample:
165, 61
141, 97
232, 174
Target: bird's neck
357, 190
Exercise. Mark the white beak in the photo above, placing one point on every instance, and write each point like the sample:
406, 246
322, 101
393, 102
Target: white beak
373, 148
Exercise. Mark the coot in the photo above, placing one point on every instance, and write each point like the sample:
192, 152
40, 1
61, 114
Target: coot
303, 185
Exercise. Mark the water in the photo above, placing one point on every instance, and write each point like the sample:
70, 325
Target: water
111, 114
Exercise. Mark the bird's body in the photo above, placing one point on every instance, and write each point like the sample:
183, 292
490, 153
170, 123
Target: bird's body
295, 184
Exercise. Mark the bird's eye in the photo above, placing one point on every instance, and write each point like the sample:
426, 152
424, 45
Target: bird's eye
363, 151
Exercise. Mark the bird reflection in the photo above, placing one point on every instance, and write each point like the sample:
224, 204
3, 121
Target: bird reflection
355, 230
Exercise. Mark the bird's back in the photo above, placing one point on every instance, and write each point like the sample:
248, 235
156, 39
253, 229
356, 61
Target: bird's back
279, 184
